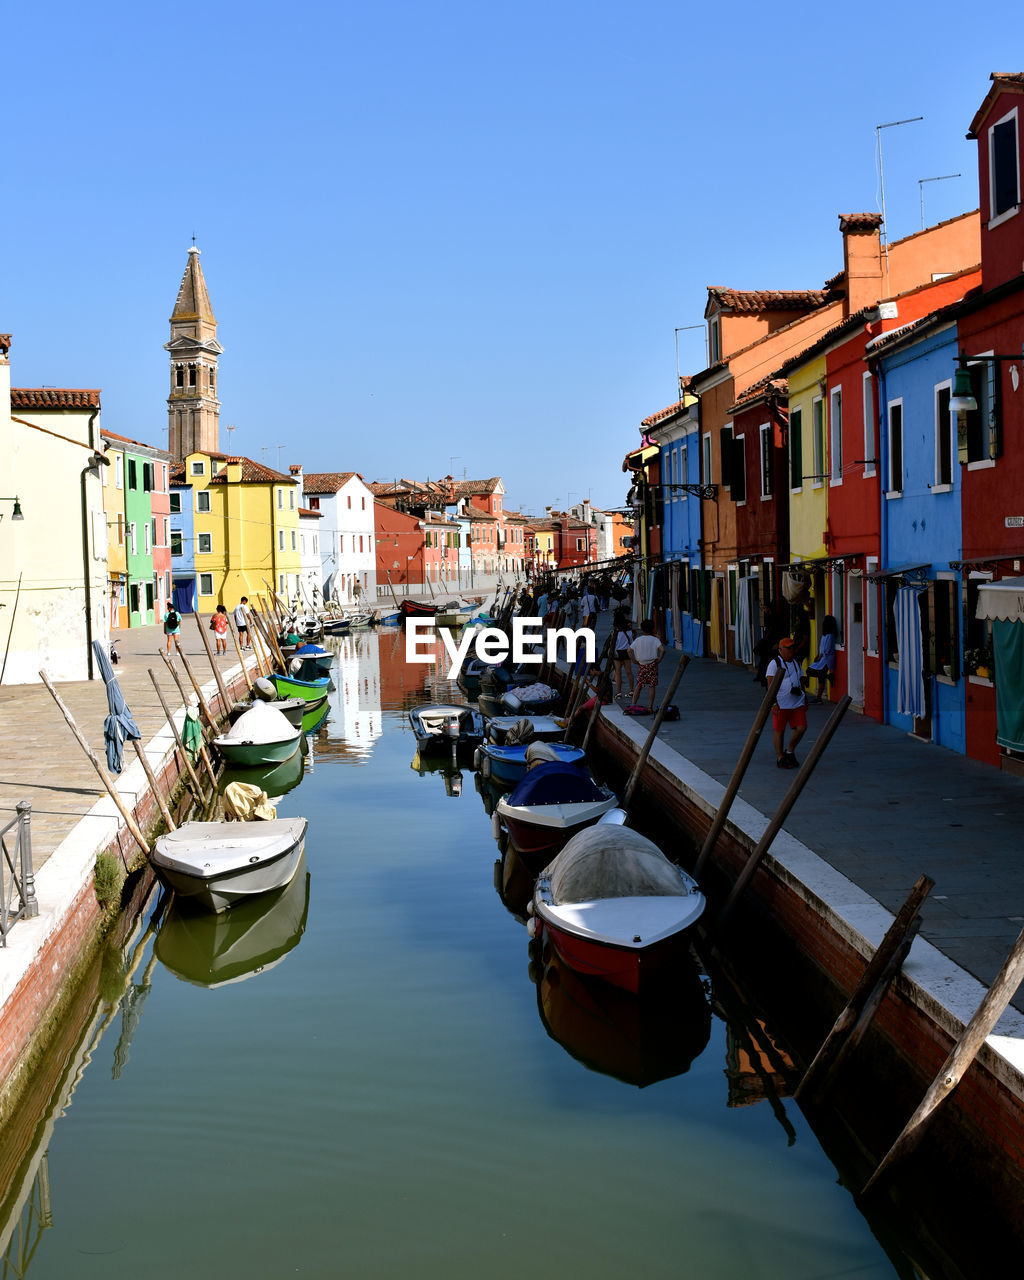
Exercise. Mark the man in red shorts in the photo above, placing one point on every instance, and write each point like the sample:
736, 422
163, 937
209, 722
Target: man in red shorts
790, 703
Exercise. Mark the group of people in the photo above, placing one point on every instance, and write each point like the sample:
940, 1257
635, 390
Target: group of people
790, 709
218, 625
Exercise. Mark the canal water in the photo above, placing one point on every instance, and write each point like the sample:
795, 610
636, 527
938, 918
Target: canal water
371, 1076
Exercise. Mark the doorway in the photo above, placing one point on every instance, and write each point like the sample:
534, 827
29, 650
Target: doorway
855, 638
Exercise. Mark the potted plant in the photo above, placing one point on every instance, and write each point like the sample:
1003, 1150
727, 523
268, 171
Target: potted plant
978, 662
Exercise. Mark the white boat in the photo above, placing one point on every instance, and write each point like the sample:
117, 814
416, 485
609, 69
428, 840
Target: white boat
614, 907
438, 726
217, 864
262, 735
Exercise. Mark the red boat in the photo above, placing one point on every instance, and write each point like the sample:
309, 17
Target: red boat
416, 609
614, 907
551, 804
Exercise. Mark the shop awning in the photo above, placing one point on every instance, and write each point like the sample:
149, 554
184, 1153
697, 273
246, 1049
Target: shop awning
1002, 601
902, 571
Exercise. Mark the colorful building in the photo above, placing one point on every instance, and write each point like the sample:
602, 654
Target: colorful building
136, 498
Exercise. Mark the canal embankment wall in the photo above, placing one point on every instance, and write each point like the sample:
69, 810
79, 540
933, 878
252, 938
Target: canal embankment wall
45, 954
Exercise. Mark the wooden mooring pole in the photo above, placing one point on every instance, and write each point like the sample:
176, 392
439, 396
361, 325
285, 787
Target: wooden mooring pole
238, 650
193, 776
197, 688
878, 975
184, 698
641, 759
213, 664
104, 777
988, 1013
782, 813
603, 681
165, 813
738, 773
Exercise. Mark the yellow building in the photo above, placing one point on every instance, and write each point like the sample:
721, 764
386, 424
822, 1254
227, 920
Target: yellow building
808, 479
245, 520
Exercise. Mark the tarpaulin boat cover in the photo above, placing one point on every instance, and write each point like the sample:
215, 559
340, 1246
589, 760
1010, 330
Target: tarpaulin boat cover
244, 802
261, 723
612, 862
309, 651
556, 784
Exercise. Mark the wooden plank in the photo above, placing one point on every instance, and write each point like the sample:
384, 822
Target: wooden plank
645, 751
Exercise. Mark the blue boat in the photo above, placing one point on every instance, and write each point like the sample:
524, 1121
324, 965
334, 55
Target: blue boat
508, 764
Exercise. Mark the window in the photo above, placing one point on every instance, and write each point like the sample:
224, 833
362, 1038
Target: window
428, 541
364, 503
738, 484
796, 445
131, 538
133, 597
818, 441
943, 439
120, 530
291, 499
295, 541
213, 379
838, 595
733, 574
202, 501
175, 542
870, 609
341, 544
204, 543
167, 533
192, 375
767, 480
835, 432
978, 637
179, 376
979, 433
349, 500
706, 460
206, 584
942, 604
280, 499
314, 504
149, 597
175, 503
868, 404
147, 536
725, 454
119, 470
316, 545
1003, 175
148, 477
280, 539
198, 468
133, 477
579, 544
714, 341
896, 447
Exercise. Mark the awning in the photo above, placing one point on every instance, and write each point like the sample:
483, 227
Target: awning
1002, 600
903, 571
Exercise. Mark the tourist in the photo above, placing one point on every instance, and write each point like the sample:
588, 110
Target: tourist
790, 708
588, 606
624, 637
647, 652
172, 627
241, 614
219, 626
823, 668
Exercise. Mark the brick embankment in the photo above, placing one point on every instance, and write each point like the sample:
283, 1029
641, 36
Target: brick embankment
70, 827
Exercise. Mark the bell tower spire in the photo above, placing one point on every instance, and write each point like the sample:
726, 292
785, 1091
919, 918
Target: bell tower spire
193, 410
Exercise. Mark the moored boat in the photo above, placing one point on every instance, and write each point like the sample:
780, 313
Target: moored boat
535, 699
542, 728
314, 692
508, 764
615, 908
416, 609
438, 726
216, 864
261, 736
551, 804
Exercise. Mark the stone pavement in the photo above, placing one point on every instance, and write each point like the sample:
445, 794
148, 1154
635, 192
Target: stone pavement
41, 761
881, 807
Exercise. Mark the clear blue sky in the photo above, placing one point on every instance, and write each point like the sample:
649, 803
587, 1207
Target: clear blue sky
452, 235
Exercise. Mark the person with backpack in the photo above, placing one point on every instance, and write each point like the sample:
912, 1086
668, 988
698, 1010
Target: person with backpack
622, 664
172, 626
790, 710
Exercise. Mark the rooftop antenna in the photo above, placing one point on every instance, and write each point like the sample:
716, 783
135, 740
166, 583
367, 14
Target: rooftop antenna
920, 187
892, 124
229, 427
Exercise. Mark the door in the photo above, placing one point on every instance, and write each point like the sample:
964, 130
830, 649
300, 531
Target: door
855, 638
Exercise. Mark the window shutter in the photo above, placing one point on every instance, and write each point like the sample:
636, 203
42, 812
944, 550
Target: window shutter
725, 453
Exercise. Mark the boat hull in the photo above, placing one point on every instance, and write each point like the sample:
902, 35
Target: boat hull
628, 969
313, 691
541, 832
508, 764
251, 755
211, 884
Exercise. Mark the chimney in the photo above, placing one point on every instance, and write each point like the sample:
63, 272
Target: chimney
862, 260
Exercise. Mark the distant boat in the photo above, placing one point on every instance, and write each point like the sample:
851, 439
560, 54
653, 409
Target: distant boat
336, 626
614, 907
216, 864
416, 609
551, 804
231, 946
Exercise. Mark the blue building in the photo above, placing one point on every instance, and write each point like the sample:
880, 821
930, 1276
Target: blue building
183, 544
921, 532
676, 432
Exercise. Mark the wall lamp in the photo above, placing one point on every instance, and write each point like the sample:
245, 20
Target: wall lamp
16, 513
963, 399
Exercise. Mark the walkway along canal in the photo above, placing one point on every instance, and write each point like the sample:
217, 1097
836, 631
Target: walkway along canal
374, 1077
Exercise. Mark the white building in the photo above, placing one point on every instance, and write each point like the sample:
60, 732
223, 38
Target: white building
348, 558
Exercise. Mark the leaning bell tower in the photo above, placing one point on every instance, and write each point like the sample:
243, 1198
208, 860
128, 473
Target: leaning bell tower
193, 410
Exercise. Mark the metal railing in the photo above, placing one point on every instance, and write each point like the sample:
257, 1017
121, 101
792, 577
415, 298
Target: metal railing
16, 875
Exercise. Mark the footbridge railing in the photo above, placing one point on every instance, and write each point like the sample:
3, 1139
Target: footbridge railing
17, 879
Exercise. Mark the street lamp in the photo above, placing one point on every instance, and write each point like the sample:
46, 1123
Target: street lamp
16, 513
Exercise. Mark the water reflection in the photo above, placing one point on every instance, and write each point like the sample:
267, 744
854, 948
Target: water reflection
447, 769
211, 950
638, 1040
275, 779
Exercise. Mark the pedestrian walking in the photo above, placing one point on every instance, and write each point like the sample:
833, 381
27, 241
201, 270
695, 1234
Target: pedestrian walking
219, 627
622, 666
790, 710
647, 652
172, 627
241, 616
588, 606
823, 668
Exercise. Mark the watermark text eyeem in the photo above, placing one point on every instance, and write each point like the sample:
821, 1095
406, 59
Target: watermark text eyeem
492, 646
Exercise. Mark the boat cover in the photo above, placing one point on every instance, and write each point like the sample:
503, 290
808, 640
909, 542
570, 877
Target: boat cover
514, 754
556, 784
613, 862
309, 651
211, 849
262, 723
244, 802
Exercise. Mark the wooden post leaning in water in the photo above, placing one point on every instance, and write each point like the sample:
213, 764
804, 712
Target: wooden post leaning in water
603, 681
952, 1071
392, 586
225, 705
641, 759
104, 777
782, 812
753, 737
197, 789
165, 813
238, 650
184, 698
197, 688
878, 974
263, 663
270, 635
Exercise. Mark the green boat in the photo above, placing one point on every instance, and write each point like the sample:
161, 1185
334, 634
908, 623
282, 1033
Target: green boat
314, 691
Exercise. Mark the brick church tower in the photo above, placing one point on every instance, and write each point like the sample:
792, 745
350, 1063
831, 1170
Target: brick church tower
193, 410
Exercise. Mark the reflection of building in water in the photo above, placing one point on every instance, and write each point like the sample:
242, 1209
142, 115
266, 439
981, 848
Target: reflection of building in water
755, 1070
404, 684
355, 720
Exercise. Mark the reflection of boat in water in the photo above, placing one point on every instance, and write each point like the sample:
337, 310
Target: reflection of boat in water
313, 719
449, 771
636, 1039
212, 950
274, 779
514, 882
